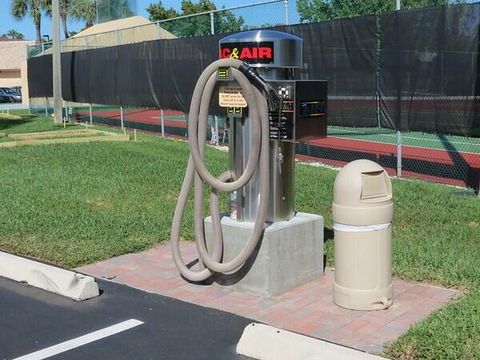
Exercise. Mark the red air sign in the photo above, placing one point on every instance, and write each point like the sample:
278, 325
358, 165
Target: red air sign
250, 52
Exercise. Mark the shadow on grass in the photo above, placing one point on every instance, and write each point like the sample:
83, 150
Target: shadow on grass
472, 173
6, 124
327, 234
27, 116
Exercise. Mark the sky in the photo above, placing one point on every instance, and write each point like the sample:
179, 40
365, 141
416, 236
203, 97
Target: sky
273, 13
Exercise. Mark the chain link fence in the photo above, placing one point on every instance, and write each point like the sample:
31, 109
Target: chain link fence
436, 101
441, 158
321, 10
434, 154
245, 17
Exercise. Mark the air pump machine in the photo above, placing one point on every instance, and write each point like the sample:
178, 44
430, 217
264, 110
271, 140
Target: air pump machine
263, 246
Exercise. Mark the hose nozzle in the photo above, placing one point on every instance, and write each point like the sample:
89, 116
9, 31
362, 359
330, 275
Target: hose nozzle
273, 99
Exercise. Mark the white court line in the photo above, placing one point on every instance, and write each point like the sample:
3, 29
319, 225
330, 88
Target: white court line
81, 340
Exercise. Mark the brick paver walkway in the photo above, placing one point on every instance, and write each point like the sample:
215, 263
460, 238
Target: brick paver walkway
306, 309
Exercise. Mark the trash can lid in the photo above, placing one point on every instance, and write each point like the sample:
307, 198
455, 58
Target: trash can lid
362, 183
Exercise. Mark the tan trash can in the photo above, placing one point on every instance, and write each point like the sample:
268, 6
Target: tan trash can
362, 215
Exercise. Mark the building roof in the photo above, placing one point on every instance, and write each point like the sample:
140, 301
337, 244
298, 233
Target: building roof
114, 25
13, 53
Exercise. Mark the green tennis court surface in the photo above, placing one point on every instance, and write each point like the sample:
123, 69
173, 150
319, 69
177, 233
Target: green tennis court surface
417, 139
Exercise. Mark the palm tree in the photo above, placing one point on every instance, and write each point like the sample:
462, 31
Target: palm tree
20, 8
84, 10
13, 34
65, 12
113, 9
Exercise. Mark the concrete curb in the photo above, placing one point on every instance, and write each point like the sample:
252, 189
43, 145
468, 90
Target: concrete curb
60, 281
264, 342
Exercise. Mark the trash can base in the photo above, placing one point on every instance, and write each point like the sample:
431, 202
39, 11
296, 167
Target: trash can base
354, 299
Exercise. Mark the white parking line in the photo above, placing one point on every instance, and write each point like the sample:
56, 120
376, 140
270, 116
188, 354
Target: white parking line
81, 340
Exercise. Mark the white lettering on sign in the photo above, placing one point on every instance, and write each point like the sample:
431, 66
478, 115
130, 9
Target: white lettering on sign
231, 96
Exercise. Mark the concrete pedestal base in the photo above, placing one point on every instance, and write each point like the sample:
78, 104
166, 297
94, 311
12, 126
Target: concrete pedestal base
290, 254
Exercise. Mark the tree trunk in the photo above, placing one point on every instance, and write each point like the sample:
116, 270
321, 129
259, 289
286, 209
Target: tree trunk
38, 31
64, 26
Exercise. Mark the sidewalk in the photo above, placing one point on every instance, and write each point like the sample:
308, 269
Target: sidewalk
306, 309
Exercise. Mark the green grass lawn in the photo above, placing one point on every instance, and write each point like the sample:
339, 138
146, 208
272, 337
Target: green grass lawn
26, 122
79, 203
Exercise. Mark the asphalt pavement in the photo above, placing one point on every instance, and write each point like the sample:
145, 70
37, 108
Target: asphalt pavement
122, 323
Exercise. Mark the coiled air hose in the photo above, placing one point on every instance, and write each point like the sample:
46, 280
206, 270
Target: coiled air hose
256, 93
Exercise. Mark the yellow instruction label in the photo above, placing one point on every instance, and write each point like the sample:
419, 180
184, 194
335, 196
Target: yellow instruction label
231, 96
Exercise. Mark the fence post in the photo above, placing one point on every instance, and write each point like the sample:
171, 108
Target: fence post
212, 23
335, 69
441, 74
90, 113
399, 153
474, 63
46, 106
121, 117
162, 122
399, 133
379, 124
285, 4
217, 142
378, 54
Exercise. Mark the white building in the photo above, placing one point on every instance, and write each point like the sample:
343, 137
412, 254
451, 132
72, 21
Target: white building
13, 64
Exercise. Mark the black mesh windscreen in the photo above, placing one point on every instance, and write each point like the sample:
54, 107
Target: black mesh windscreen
39, 73
412, 70
429, 69
343, 52
155, 73
163, 73
159, 73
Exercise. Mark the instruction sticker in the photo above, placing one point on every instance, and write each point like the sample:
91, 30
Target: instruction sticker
231, 96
